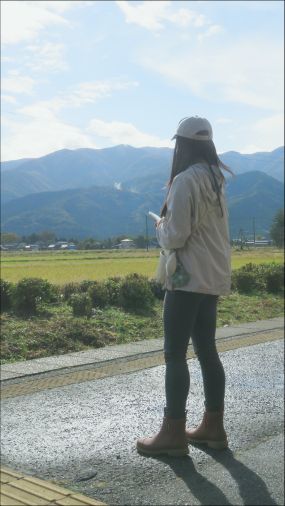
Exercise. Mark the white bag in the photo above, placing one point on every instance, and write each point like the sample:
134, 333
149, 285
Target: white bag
166, 266
161, 269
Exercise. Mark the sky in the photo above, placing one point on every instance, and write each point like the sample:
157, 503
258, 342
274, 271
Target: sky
94, 74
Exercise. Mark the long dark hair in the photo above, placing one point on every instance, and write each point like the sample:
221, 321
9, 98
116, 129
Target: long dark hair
187, 152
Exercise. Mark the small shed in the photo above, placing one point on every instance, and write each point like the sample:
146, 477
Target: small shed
126, 244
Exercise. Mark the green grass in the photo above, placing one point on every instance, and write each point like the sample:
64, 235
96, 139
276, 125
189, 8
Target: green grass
256, 256
64, 267
60, 332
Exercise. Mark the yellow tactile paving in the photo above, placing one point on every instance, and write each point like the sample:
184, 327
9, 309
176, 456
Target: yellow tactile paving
18, 489
9, 476
127, 366
19, 493
7, 501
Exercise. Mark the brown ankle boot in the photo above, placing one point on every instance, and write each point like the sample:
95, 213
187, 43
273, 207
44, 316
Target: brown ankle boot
170, 440
210, 431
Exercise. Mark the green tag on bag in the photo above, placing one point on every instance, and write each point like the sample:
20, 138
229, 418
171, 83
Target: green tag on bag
180, 277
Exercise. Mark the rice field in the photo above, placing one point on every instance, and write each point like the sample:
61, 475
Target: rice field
60, 267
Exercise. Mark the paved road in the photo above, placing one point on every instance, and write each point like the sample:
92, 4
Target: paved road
83, 436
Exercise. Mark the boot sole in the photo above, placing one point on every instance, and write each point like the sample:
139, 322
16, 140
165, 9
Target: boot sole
216, 445
179, 452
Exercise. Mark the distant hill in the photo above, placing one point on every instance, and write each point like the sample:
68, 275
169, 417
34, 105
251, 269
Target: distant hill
13, 164
68, 169
272, 163
105, 211
97, 211
120, 165
253, 195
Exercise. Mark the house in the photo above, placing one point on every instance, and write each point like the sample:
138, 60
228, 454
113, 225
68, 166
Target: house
14, 246
126, 244
62, 245
32, 247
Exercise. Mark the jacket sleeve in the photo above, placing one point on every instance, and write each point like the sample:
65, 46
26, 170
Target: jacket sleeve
175, 228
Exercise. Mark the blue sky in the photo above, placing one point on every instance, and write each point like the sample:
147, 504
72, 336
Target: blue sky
96, 74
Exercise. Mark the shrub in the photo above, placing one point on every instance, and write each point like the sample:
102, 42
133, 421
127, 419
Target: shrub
6, 289
86, 284
30, 292
69, 289
266, 277
244, 282
247, 278
113, 286
98, 294
81, 304
274, 278
135, 294
157, 289
76, 287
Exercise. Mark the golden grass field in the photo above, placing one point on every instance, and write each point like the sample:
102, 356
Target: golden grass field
60, 267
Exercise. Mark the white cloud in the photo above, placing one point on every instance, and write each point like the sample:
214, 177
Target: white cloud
247, 71
212, 30
6, 59
90, 92
125, 133
152, 15
36, 129
42, 110
24, 20
263, 135
8, 98
83, 93
37, 135
16, 83
61, 6
45, 57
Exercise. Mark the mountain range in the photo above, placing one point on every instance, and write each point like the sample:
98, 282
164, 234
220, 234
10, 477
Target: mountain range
106, 192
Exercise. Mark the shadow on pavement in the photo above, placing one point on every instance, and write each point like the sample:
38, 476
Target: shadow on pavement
204, 490
252, 489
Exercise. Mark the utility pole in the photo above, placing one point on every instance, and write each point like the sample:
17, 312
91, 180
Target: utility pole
241, 238
146, 231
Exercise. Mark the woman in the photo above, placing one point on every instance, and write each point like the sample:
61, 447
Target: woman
194, 223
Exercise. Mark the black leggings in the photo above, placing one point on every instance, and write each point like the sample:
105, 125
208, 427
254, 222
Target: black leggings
188, 314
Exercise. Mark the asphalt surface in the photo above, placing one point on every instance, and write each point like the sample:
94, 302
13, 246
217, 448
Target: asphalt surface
83, 436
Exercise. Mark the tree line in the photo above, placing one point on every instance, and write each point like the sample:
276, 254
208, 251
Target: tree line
47, 237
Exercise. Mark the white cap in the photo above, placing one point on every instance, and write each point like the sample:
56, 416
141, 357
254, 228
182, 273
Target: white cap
189, 128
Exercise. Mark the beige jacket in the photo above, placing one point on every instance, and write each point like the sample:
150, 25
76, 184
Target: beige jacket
195, 228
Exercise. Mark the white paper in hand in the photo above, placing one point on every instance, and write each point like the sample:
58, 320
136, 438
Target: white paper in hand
154, 216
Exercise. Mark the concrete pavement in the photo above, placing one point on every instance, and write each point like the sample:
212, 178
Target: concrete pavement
74, 420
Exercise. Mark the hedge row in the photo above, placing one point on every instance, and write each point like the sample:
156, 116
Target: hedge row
133, 293
30, 296
259, 277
